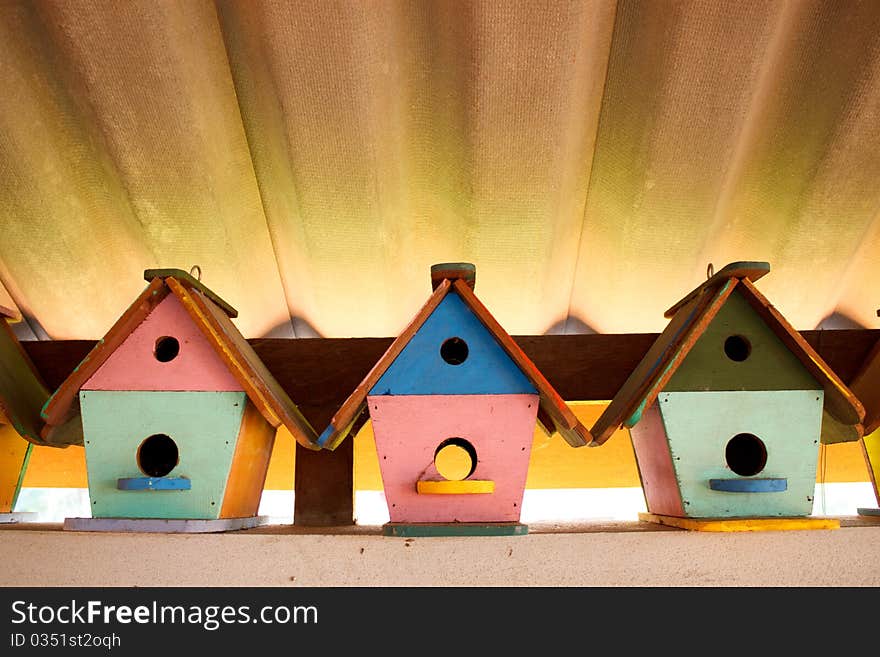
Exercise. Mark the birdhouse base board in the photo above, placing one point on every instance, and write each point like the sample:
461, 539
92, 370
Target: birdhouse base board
741, 524
429, 529
163, 525
873, 513
8, 518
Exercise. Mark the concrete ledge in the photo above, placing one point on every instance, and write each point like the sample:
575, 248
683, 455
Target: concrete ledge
595, 554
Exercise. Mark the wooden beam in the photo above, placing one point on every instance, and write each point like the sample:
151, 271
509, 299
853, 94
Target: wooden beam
320, 373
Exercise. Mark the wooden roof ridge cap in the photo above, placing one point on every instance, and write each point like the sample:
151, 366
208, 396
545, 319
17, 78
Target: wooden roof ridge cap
550, 401
187, 280
237, 363
752, 270
354, 404
55, 410
807, 355
677, 342
452, 271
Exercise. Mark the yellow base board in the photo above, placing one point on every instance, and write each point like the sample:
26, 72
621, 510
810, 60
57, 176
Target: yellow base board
456, 487
741, 524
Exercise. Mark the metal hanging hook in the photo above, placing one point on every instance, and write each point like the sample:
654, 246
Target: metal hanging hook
710, 270
196, 272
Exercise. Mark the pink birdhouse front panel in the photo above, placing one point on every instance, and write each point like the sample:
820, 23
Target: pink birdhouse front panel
166, 352
497, 431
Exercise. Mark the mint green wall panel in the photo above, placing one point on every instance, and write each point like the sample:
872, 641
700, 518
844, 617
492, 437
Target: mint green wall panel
700, 424
205, 427
769, 366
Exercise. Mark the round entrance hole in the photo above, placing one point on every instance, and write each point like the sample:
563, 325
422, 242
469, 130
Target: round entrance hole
455, 459
737, 348
166, 349
454, 351
157, 455
746, 454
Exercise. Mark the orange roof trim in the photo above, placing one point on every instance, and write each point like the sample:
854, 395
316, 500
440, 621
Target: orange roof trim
212, 316
689, 319
553, 414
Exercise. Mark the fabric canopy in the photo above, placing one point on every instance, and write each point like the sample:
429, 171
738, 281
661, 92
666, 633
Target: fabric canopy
315, 158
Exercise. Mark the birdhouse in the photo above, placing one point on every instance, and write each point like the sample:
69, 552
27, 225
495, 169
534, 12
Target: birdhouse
866, 386
453, 404
726, 411
177, 413
22, 395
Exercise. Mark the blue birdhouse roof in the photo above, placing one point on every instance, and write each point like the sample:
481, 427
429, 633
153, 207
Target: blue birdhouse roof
453, 308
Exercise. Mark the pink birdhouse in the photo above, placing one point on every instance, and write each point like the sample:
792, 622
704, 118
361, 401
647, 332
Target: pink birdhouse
454, 403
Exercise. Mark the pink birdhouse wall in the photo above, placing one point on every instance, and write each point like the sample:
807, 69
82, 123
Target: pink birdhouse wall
190, 364
408, 430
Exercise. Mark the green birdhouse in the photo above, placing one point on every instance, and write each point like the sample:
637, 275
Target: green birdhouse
728, 407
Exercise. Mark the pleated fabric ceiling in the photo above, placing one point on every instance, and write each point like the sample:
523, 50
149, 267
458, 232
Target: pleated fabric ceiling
315, 158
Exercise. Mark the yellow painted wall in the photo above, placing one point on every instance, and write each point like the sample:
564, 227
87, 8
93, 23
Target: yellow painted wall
872, 456
553, 463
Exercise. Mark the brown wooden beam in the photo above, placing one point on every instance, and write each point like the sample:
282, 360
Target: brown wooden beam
320, 373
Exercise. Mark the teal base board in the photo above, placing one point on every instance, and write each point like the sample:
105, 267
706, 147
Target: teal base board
427, 530
9, 518
869, 512
163, 525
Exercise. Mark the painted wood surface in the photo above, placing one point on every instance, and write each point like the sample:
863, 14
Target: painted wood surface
453, 270
871, 449
654, 461
154, 483
839, 400
652, 372
204, 425
455, 487
250, 463
14, 455
17, 517
262, 389
22, 393
437, 530
163, 525
553, 413
132, 366
700, 424
769, 366
325, 483
866, 386
62, 407
228, 343
408, 430
300, 368
355, 405
11, 314
552, 405
186, 279
420, 369
742, 524
744, 485
751, 270
689, 322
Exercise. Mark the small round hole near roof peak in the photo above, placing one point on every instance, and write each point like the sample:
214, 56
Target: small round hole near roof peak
466, 271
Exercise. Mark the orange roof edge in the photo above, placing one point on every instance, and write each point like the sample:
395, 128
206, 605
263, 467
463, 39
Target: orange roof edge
230, 346
564, 419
